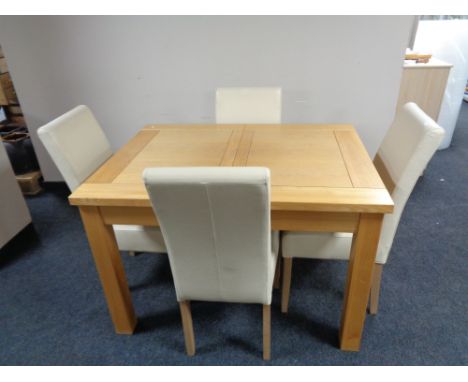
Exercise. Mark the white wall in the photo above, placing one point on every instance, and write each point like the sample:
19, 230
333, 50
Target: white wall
137, 70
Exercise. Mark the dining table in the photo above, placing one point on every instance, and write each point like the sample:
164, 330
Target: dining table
322, 180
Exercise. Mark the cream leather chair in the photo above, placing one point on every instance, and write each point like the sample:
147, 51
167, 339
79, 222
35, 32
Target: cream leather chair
248, 105
404, 153
216, 224
78, 146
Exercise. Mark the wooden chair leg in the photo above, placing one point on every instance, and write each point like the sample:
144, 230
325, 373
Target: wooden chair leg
266, 332
276, 282
375, 288
187, 325
287, 268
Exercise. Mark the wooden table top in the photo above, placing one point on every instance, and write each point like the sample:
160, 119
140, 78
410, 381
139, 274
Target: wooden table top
313, 167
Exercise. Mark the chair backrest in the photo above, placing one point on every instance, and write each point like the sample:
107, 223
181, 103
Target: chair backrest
216, 224
405, 151
248, 105
76, 143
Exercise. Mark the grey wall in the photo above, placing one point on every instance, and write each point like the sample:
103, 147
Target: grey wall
137, 70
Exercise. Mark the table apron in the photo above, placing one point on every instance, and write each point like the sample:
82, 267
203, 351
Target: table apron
280, 220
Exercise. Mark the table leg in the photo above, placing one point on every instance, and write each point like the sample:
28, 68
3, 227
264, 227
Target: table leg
361, 262
111, 271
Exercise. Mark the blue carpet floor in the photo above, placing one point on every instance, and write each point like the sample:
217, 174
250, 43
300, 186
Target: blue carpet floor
52, 309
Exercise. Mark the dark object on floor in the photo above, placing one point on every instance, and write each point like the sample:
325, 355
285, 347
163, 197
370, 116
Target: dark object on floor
21, 152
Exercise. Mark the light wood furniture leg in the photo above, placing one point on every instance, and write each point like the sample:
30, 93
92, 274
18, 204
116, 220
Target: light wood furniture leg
266, 332
276, 282
375, 288
287, 269
361, 262
110, 269
187, 326
132, 253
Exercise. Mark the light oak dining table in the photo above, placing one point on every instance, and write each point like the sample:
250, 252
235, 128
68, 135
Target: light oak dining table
322, 180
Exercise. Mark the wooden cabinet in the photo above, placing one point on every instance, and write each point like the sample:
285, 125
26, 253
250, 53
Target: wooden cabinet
14, 213
425, 85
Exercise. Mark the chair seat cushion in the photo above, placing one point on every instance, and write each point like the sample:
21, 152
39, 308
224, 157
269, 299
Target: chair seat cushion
317, 245
275, 235
139, 238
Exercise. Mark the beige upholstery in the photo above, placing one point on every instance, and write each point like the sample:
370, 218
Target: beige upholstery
406, 150
78, 146
248, 105
137, 238
321, 245
216, 224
